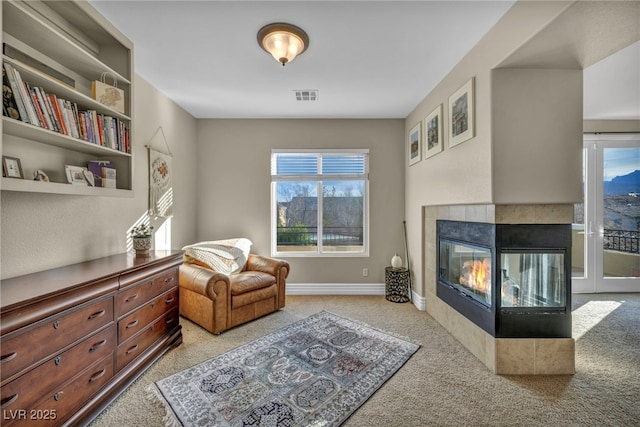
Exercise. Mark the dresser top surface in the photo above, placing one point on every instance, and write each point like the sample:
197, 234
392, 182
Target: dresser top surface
20, 289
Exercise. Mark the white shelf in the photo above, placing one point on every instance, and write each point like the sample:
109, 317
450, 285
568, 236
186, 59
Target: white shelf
68, 38
49, 137
26, 186
20, 19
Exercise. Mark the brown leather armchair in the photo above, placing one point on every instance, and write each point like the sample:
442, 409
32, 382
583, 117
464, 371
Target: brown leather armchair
218, 302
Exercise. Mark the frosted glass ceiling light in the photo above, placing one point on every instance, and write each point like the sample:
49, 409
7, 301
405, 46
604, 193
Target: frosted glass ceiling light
283, 41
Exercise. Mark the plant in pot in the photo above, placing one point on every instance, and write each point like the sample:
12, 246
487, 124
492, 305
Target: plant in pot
141, 236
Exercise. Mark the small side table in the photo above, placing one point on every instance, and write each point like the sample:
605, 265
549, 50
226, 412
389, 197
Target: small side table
396, 282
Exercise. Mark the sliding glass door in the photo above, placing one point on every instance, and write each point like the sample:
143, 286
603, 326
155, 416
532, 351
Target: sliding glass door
606, 229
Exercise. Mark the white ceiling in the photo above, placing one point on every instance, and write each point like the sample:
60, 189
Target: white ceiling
367, 59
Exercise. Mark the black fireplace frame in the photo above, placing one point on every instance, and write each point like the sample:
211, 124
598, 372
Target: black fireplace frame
508, 322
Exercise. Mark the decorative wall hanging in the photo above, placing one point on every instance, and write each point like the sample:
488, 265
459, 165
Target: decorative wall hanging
433, 133
160, 179
414, 140
461, 114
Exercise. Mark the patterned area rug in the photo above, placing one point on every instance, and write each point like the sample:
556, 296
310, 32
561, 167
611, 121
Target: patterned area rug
314, 372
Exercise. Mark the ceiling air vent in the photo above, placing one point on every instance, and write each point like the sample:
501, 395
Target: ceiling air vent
306, 95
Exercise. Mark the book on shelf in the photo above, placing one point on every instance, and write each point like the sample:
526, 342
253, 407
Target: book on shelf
9, 78
38, 108
108, 177
10, 106
95, 167
53, 100
46, 110
26, 98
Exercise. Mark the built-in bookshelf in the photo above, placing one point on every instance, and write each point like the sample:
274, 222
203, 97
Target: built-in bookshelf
52, 52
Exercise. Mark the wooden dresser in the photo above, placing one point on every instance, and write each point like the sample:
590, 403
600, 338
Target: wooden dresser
75, 337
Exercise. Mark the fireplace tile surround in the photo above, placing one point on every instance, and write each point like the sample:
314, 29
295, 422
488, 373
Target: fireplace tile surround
504, 356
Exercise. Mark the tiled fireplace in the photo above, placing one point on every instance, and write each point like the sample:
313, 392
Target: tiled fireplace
514, 325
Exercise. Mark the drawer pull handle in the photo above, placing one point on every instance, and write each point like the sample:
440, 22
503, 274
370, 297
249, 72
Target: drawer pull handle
9, 400
132, 349
131, 298
56, 325
168, 280
96, 314
8, 357
58, 360
97, 375
132, 324
97, 345
169, 300
57, 396
169, 320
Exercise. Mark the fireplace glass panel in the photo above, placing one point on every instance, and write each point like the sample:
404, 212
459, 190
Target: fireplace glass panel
467, 268
532, 280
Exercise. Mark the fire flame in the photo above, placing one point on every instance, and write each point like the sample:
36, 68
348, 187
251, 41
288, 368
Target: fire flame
477, 275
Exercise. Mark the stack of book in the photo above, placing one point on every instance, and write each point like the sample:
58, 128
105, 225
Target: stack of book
104, 175
35, 106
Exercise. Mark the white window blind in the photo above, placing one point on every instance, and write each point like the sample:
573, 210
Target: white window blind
338, 164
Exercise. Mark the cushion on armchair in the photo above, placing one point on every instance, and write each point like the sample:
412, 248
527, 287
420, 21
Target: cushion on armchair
225, 256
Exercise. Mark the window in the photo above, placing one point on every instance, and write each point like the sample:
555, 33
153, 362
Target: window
319, 202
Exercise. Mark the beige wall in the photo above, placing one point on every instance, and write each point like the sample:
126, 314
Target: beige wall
234, 187
463, 174
41, 231
533, 101
536, 135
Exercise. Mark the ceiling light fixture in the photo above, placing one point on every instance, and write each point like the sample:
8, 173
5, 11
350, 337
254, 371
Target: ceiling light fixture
283, 41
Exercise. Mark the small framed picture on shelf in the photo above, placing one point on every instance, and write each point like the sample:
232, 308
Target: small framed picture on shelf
11, 167
75, 175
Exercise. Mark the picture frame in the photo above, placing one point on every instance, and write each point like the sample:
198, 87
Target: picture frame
75, 175
414, 142
12, 167
433, 141
462, 114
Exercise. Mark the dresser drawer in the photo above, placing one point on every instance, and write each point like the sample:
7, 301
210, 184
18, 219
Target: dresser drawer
24, 391
61, 403
133, 347
53, 334
139, 319
131, 298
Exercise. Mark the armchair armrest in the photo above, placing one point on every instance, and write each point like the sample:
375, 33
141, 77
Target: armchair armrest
203, 281
276, 267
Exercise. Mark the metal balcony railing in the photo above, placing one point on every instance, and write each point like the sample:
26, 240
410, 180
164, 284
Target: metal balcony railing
622, 241
332, 236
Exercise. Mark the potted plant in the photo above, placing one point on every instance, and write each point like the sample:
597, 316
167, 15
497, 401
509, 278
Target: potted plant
141, 236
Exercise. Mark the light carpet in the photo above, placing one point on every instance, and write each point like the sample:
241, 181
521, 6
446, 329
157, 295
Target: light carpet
314, 372
443, 384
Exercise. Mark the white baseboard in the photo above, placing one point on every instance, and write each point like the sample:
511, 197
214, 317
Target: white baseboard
348, 289
335, 289
418, 301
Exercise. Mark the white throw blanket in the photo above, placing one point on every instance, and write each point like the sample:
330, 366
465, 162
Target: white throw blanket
225, 256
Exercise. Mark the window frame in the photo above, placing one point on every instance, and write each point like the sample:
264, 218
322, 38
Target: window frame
319, 178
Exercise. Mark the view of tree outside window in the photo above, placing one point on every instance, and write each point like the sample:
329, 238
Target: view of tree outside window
319, 200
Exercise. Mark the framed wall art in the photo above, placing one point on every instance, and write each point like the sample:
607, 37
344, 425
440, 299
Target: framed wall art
11, 167
461, 114
415, 145
433, 133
